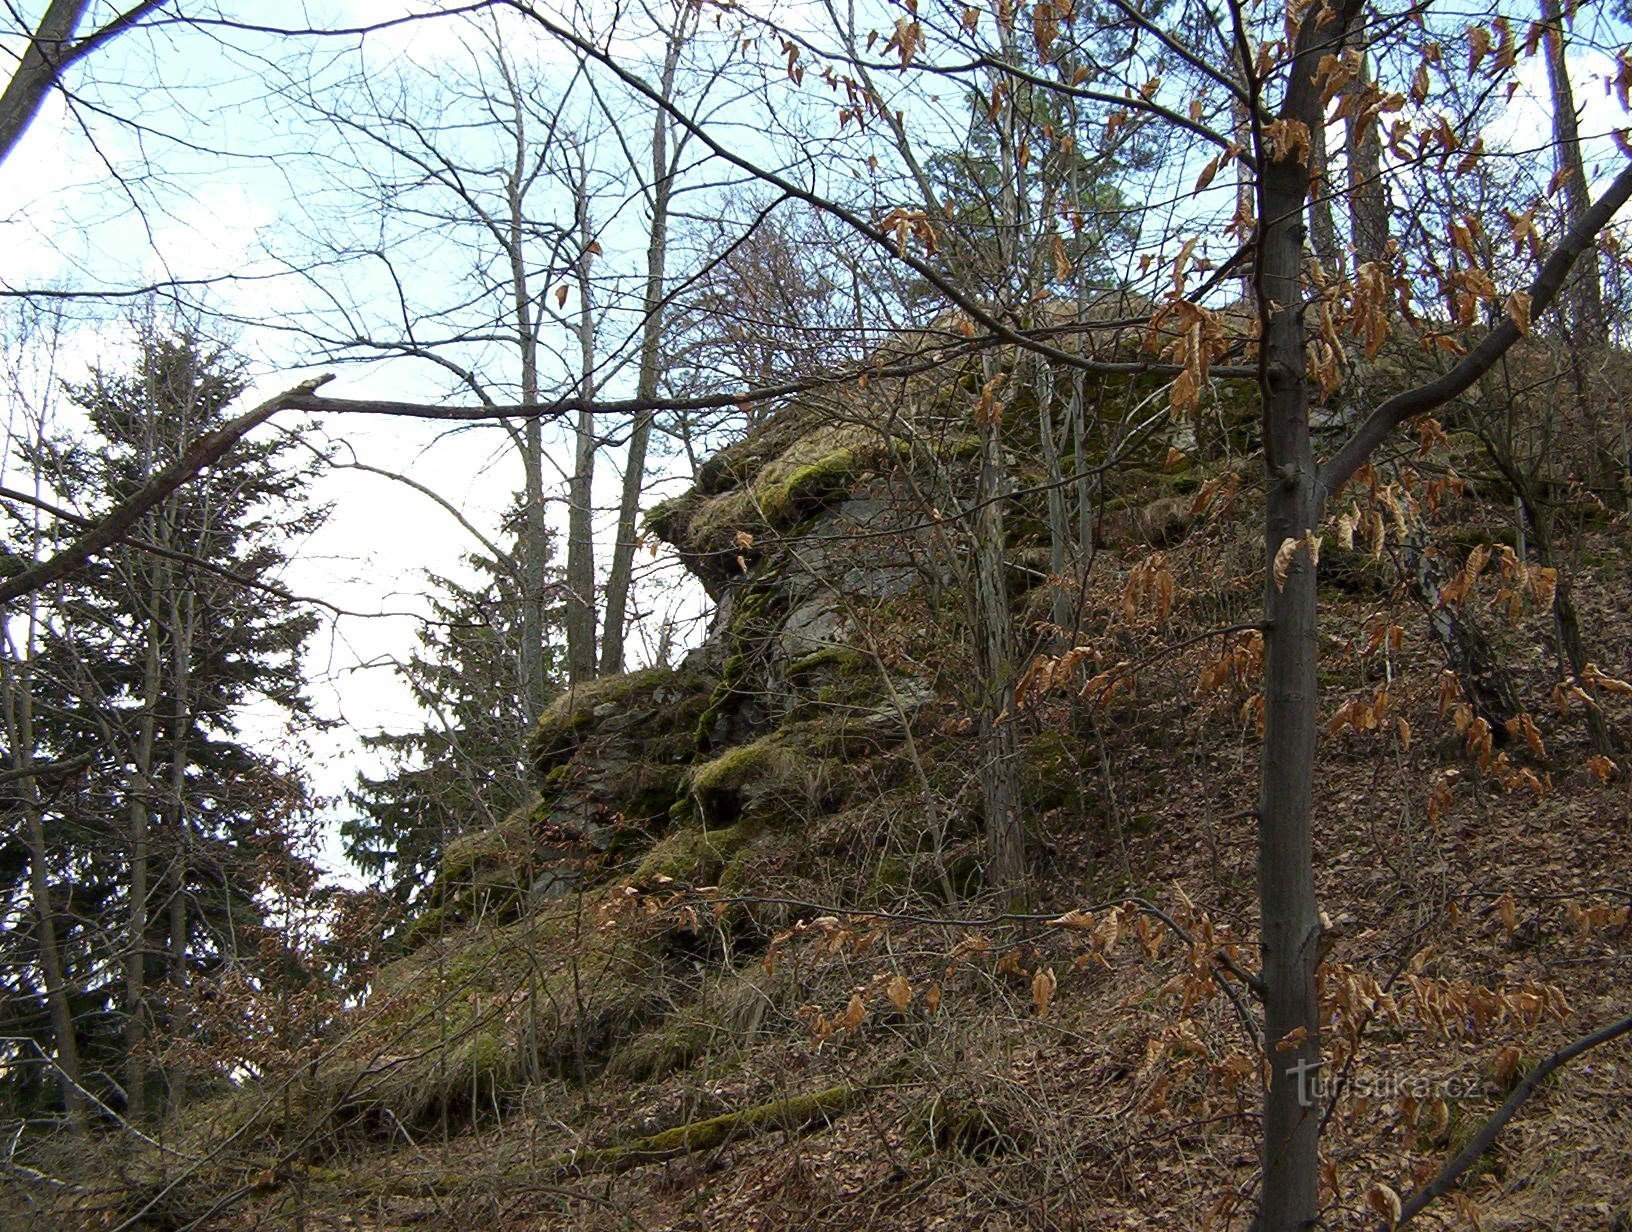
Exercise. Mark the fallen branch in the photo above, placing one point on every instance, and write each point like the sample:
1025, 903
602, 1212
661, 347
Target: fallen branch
794, 1114
1452, 1172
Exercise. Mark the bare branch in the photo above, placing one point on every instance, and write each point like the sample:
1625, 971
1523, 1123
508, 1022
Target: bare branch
1425, 398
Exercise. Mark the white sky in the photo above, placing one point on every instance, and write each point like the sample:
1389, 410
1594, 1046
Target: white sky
62, 223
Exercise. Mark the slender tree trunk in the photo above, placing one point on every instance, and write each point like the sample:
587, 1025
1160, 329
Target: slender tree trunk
1289, 921
1468, 653
1368, 194
580, 604
19, 718
534, 546
1322, 226
1572, 650
994, 648
1582, 300
621, 574
139, 785
994, 624
1059, 514
1085, 484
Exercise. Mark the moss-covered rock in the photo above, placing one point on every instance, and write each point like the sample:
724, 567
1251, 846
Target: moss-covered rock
765, 781
652, 704
695, 854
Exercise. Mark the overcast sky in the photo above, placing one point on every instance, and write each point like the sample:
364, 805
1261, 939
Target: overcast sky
196, 172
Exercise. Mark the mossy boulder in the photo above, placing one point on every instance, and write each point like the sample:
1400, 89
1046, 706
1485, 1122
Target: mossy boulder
772, 481
766, 781
650, 705
695, 854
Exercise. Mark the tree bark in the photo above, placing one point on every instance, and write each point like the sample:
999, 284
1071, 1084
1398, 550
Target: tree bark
1368, 194
535, 529
1290, 923
1583, 294
580, 601
994, 650
1322, 225
49, 51
19, 718
139, 787
1467, 650
1586, 323
621, 574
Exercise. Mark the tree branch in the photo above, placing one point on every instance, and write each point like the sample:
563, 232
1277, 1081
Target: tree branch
1424, 398
205, 451
1452, 1171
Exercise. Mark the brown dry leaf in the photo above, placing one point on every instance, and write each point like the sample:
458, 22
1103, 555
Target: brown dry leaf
1345, 531
1292, 1039
1593, 675
899, 993
1289, 549
1508, 913
1283, 561
561, 295
1602, 768
855, 1013
1384, 1201
1043, 984
1518, 311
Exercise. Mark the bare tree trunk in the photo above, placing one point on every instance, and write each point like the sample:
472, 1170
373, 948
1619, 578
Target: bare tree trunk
1572, 651
1289, 924
580, 604
994, 625
1368, 194
139, 785
535, 530
1060, 534
621, 574
994, 657
1583, 295
1322, 226
19, 719
1468, 653
1085, 484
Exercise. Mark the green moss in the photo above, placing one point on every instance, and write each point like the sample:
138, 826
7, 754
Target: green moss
1048, 772
693, 855
458, 1025
671, 699
811, 488
677, 1043
793, 1113
766, 484
842, 659
1353, 570
891, 873
966, 1127
670, 520
762, 781
759, 858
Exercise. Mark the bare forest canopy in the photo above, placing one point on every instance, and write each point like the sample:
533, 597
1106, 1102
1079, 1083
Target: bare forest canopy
1026, 623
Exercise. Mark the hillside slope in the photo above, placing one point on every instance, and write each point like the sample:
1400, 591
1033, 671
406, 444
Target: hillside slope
736, 965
